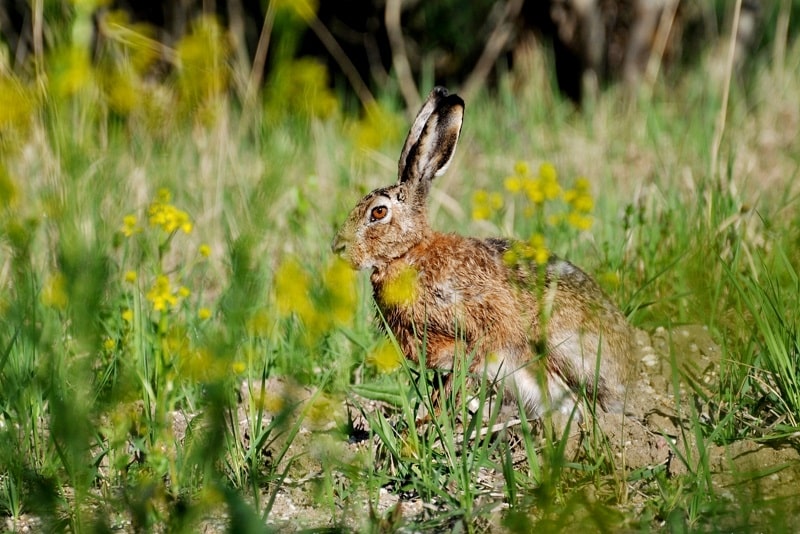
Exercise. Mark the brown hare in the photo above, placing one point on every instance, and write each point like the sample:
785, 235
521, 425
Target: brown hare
547, 336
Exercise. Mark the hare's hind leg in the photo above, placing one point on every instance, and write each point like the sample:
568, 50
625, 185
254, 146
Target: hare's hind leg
588, 362
537, 389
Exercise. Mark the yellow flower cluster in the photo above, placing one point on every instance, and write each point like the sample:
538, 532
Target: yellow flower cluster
54, 293
534, 249
163, 214
163, 296
537, 188
545, 203
377, 126
292, 284
203, 70
320, 307
138, 40
199, 364
323, 410
340, 297
541, 192
300, 87
581, 203
401, 288
70, 71
130, 226
17, 104
9, 194
485, 203
385, 358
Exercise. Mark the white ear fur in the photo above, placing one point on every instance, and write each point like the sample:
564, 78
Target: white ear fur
454, 126
419, 124
431, 142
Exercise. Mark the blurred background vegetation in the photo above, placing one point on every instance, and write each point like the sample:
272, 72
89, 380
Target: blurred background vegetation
348, 51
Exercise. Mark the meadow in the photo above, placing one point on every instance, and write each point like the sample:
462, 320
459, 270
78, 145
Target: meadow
180, 349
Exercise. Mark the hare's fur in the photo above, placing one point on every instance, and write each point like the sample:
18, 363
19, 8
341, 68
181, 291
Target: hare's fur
547, 331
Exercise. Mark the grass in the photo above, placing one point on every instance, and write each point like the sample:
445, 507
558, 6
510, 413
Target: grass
125, 343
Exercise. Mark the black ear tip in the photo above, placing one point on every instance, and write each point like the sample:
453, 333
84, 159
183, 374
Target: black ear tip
442, 95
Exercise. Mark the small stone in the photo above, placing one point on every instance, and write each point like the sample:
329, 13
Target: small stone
650, 360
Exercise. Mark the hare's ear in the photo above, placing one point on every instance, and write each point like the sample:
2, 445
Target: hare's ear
432, 140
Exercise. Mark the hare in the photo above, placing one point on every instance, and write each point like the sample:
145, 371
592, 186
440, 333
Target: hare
547, 335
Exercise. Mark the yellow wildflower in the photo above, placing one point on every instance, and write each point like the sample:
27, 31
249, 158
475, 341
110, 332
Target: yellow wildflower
579, 221
401, 287
184, 292
521, 169
535, 249
371, 130
204, 250
533, 189
583, 203
339, 280
547, 172
167, 216
203, 314
495, 201
123, 91
17, 104
198, 364
238, 367
54, 293
551, 189
130, 225
259, 323
385, 358
161, 295
109, 344
609, 279
510, 257
323, 410
484, 204
480, 213
292, 285
513, 184
580, 200
130, 277
71, 71
538, 252
272, 402
202, 54
127, 315
582, 184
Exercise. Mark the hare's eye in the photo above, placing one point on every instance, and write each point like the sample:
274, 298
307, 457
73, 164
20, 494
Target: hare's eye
378, 213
